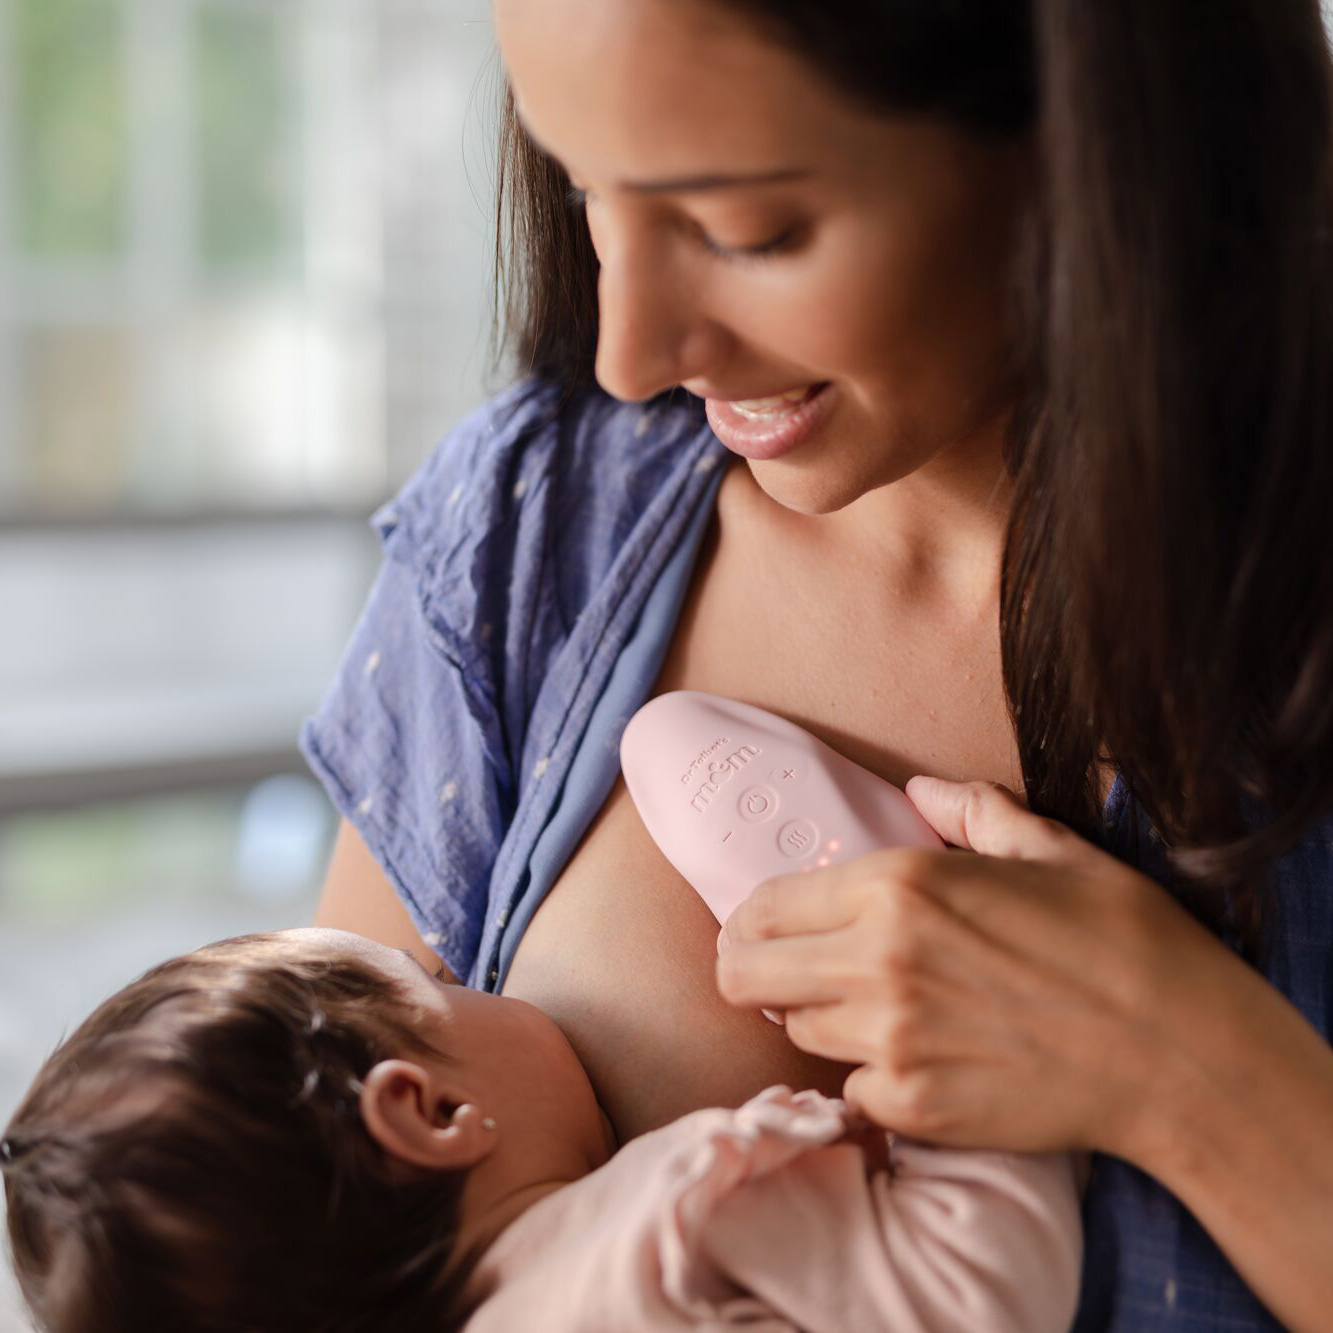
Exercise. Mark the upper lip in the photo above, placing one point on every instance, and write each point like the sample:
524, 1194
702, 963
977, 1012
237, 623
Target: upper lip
703, 391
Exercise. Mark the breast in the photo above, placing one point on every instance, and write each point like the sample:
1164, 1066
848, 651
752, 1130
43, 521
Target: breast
621, 954
622, 951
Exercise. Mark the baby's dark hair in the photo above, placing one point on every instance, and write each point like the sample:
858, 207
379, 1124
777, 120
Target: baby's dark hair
194, 1158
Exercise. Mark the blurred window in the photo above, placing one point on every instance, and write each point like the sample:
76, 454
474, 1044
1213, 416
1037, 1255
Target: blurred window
244, 277
195, 248
179, 334
244, 285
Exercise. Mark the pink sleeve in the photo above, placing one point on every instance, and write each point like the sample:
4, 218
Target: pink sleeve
941, 1241
784, 1214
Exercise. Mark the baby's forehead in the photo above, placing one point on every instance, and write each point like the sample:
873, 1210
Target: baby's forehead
316, 935
315, 941
324, 942
299, 946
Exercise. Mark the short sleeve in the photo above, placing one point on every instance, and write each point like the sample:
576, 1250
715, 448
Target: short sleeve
395, 746
408, 741
516, 562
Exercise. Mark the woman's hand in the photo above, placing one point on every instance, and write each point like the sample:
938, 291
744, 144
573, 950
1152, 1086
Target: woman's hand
1043, 996
1029, 993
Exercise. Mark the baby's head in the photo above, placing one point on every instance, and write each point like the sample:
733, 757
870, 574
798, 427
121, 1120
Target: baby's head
291, 1131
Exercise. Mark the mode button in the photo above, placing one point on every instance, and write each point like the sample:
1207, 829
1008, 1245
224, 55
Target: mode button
798, 838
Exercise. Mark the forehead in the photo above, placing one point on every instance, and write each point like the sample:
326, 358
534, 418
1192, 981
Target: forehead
646, 87
323, 940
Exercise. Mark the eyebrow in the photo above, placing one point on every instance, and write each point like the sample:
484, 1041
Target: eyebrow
689, 184
718, 181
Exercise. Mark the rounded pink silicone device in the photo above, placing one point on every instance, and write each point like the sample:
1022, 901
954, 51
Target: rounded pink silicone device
735, 795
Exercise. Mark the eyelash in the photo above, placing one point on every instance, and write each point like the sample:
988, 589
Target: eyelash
577, 198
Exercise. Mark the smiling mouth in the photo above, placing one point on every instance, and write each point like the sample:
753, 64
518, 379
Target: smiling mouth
765, 409
762, 429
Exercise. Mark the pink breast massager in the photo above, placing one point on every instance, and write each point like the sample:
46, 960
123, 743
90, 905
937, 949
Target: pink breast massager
734, 795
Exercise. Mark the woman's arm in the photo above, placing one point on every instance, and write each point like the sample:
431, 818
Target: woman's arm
1243, 1136
357, 897
1043, 995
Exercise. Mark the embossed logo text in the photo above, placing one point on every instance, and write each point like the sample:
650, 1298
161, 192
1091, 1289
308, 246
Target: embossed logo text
720, 772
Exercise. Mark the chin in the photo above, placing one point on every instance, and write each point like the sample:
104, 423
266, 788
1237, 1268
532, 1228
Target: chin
815, 489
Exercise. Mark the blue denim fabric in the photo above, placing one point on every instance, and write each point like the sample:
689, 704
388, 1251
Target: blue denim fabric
1148, 1265
518, 562
534, 571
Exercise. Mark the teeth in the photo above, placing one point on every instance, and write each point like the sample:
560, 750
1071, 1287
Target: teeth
761, 407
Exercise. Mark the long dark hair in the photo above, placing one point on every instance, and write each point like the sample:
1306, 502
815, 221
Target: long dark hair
1167, 589
193, 1157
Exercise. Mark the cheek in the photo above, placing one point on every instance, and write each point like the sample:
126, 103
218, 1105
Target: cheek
868, 302
920, 319
549, 1061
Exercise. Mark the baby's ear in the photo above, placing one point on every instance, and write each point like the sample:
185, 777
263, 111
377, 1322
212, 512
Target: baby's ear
413, 1119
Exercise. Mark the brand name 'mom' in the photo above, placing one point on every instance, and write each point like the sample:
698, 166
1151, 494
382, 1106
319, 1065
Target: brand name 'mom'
719, 773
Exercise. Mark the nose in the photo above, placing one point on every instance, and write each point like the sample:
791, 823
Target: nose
653, 330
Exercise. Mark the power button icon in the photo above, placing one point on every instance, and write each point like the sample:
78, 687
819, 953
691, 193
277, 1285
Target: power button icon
758, 804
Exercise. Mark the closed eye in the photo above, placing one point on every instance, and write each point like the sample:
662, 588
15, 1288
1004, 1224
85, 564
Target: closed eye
764, 250
579, 199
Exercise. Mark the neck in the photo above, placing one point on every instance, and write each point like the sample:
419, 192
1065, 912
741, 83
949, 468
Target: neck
933, 534
947, 517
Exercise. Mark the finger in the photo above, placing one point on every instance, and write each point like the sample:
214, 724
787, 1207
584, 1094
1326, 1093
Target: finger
807, 904
987, 818
898, 1037
777, 974
854, 1033
925, 1104
871, 1093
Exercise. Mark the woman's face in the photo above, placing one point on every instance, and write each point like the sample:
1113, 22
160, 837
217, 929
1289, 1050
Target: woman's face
761, 233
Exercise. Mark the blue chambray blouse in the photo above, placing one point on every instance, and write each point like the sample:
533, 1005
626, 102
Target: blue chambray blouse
534, 570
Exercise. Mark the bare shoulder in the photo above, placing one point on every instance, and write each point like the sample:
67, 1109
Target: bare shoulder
358, 897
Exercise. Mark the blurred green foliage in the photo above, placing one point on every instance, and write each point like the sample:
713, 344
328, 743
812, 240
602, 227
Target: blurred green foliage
70, 864
72, 145
242, 114
74, 138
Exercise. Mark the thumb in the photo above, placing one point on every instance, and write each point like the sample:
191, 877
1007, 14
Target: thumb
986, 818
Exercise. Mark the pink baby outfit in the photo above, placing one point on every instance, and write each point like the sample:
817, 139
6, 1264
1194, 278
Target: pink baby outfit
778, 1216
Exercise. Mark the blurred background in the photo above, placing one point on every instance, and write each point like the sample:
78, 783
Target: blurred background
245, 272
